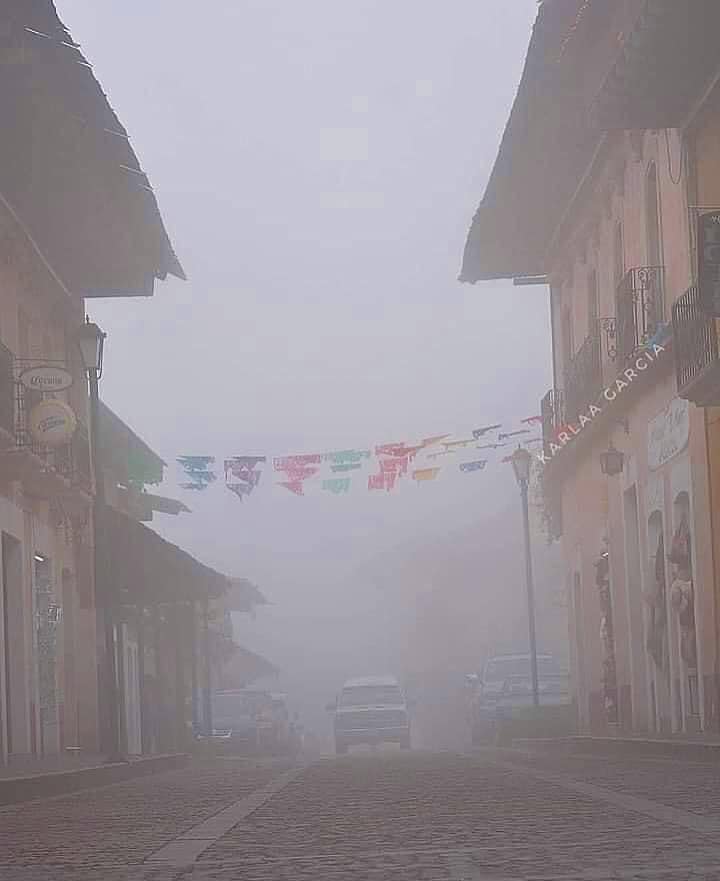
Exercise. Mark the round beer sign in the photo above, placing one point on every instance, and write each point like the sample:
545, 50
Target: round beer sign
52, 423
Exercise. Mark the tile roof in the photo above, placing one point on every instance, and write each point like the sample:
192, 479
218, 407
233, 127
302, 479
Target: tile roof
549, 140
67, 169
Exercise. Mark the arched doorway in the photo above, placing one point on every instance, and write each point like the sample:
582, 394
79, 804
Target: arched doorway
682, 603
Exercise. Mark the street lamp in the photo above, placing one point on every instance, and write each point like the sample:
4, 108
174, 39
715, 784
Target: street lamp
92, 346
521, 462
91, 342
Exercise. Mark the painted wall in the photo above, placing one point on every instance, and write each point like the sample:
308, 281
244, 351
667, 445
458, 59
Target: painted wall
596, 507
36, 320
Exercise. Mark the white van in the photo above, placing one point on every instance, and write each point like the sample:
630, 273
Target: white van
371, 710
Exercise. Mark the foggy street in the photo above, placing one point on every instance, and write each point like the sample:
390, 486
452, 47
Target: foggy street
360, 440
414, 817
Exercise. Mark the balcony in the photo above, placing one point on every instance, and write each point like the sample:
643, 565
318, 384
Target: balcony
583, 376
697, 359
639, 307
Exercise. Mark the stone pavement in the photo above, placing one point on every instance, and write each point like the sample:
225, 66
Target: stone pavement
106, 834
386, 816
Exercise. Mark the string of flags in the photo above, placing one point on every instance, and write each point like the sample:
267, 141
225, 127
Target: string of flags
198, 470
379, 469
242, 475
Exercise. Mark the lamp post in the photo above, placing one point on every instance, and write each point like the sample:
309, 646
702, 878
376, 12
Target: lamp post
91, 341
521, 461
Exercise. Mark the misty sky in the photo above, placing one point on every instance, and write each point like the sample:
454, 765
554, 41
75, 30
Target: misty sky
317, 164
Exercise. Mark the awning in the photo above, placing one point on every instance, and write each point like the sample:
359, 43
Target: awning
243, 668
242, 595
67, 169
139, 566
125, 455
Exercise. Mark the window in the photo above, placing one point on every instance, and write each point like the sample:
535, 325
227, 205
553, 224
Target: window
568, 346
656, 305
652, 218
371, 695
500, 669
619, 255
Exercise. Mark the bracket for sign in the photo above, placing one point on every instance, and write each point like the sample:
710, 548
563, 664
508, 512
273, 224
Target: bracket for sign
694, 212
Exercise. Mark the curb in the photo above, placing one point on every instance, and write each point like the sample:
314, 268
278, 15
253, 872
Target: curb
702, 751
14, 790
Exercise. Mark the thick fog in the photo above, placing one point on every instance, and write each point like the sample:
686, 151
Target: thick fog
318, 165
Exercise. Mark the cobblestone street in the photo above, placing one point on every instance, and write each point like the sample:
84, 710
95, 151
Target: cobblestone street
417, 817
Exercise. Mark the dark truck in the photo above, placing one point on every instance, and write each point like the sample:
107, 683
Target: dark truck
251, 720
501, 703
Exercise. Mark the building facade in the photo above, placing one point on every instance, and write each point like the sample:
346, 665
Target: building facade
598, 190
78, 219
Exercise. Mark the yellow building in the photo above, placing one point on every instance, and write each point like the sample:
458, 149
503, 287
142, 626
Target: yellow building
607, 166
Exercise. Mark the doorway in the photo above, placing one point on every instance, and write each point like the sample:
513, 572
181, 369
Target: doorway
682, 601
47, 618
16, 724
640, 711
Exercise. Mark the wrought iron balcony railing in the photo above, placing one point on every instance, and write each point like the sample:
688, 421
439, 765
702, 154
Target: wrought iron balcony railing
697, 354
583, 376
639, 307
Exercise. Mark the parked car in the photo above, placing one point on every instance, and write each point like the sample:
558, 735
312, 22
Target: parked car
371, 710
504, 692
251, 720
235, 720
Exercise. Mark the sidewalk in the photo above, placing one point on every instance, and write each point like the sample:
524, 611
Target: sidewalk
690, 747
24, 779
31, 766
106, 833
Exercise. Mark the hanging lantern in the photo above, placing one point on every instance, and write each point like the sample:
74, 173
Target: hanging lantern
612, 461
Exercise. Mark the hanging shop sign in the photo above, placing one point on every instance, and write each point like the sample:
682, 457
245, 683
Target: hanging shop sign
708, 247
46, 378
52, 422
668, 433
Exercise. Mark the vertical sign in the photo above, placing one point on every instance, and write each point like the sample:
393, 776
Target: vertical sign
709, 262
